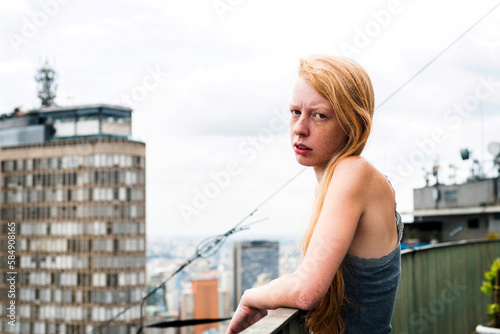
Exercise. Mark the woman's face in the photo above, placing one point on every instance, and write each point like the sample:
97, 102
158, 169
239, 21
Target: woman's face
315, 131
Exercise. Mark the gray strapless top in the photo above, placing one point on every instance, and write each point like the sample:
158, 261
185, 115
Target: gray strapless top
371, 286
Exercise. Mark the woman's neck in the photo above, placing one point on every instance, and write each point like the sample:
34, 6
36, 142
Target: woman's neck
319, 171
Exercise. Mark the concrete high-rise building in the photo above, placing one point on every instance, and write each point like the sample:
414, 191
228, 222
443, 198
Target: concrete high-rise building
225, 309
72, 188
255, 262
186, 310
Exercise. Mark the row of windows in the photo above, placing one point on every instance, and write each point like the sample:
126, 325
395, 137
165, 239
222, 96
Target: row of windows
111, 119
70, 212
78, 296
117, 280
77, 195
44, 278
117, 262
69, 229
72, 179
79, 262
77, 246
59, 279
62, 328
53, 262
69, 162
74, 313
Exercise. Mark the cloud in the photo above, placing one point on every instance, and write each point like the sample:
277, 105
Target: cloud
16, 67
232, 100
8, 6
87, 31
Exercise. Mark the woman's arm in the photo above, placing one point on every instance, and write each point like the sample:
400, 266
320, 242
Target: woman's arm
344, 204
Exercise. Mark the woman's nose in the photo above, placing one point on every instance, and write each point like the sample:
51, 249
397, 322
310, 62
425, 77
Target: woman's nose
301, 126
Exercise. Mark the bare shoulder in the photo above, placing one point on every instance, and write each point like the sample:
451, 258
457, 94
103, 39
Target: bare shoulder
361, 176
357, 169
367, 189
355, 164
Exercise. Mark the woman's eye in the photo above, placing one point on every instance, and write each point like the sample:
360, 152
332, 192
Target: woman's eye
320, 116
295, 112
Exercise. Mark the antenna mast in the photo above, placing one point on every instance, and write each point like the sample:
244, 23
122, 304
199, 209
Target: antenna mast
46, 85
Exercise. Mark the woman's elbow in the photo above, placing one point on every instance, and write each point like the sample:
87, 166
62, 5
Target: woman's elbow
308, 299
304, 292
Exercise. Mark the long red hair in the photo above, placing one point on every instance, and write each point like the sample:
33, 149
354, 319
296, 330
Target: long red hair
346, 85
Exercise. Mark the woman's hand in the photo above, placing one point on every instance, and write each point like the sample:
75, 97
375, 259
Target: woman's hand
244, 317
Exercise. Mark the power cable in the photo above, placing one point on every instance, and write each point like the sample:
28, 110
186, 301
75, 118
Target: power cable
436, 57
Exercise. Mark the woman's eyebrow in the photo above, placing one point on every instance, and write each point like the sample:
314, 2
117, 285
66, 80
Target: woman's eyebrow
322, 109
319, 108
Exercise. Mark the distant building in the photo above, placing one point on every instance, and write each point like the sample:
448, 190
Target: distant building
225, 296
200, 302
158, 299
206, 303
254, 259
157, 307
459, 211
186, 310
225, 309
73, 183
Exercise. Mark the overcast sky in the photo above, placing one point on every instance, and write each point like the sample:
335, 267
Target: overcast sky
210, 82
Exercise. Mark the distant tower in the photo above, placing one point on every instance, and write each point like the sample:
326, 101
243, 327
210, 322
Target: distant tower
251, 260
200, 302
46, 87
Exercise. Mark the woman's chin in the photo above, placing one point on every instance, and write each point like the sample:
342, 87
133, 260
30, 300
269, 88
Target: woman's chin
304, 162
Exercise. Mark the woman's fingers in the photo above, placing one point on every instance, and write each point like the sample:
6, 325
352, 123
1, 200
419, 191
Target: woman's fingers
244, 317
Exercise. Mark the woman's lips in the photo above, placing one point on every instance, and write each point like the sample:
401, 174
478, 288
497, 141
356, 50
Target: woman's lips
301, 149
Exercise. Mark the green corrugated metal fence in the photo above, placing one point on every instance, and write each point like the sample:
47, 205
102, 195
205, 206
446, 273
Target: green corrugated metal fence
439, 288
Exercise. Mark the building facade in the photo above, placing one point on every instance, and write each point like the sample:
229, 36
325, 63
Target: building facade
459, 211
206, 303
255, 263
72, 185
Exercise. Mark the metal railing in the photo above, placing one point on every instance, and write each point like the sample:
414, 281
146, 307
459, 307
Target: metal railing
438, 292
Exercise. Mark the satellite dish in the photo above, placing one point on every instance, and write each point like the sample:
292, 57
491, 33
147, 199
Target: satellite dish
494, 148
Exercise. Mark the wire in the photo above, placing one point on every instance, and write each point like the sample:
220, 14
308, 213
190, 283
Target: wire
211, 245
205, 248
437, 56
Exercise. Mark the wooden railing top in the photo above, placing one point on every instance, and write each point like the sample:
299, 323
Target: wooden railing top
274, 322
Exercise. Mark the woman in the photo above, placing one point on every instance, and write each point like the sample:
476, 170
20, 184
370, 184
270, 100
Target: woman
350, 270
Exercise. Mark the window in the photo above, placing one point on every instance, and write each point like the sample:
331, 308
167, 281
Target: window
450, 195
473, 223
